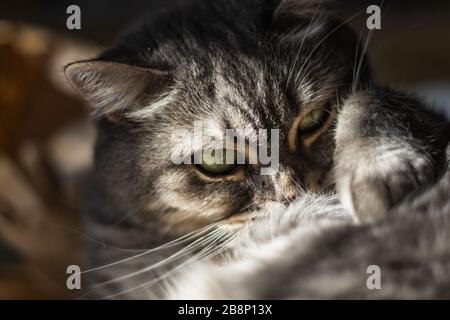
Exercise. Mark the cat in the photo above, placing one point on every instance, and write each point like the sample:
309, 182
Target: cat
245, 65
397, 221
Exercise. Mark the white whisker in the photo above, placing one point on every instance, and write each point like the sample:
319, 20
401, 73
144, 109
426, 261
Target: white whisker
323, 39
198, 257
207, 239
301, 44
183, 239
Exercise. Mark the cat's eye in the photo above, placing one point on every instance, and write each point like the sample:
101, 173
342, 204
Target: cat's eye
213, 165
313, 120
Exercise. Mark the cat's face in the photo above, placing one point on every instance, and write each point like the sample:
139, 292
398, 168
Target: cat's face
281, 71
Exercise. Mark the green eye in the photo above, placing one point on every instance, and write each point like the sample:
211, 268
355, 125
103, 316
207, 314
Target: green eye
216, 165
313, 120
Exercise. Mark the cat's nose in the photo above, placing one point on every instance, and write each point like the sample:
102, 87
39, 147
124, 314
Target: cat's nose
286, 186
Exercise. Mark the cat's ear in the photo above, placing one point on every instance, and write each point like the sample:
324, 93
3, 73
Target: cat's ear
116, 90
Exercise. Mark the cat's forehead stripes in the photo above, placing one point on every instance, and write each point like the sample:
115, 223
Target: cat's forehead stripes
213, 134
248, 97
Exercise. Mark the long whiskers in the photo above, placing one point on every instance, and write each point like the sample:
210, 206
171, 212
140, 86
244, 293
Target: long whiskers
357, 68
186, 238
323, 40
205, 240
294, 64
210, 250
361, 60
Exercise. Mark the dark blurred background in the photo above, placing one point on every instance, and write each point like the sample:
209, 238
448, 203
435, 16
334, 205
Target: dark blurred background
412, 46
46, 137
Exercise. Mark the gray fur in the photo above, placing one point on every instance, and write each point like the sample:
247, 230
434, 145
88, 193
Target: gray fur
408, 239
248, 65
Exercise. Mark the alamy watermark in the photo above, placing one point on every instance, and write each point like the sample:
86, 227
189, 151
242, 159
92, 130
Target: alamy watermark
73, 21
73, 281
374, 280
373, 22
249, 146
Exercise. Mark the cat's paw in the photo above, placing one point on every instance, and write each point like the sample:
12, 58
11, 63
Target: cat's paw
384, 151
372, 185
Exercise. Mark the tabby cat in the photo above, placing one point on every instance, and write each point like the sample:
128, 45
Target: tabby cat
362, 170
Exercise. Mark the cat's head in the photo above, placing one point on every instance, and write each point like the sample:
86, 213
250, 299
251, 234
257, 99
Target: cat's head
242, 65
